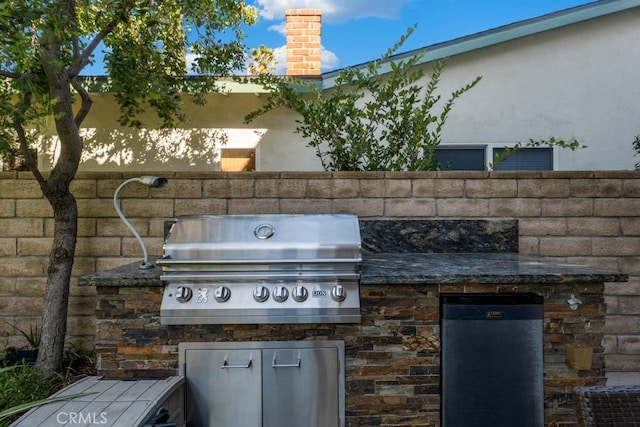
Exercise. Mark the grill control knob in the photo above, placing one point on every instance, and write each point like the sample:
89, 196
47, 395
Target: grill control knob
280, 294
183, 294
338, 293
299, 293
222, 294
261, 293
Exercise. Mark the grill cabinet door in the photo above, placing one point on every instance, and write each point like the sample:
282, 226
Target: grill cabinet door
300, 387
224, 388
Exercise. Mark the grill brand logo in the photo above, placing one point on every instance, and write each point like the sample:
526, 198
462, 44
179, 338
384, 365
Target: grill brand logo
203, 295
318, 293
493, 314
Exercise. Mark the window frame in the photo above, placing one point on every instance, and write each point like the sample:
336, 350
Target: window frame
489, 148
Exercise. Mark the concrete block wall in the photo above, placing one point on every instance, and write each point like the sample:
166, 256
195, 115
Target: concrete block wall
591, 218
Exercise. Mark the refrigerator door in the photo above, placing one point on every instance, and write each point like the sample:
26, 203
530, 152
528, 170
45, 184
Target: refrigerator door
492, 360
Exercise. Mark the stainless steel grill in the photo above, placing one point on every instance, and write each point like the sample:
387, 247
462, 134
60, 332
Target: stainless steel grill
223, 269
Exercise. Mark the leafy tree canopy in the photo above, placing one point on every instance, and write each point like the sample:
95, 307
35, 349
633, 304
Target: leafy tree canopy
147, 43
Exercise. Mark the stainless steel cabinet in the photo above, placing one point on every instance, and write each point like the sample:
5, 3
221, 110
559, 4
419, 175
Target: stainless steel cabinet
270, 384
223, 387
300, 387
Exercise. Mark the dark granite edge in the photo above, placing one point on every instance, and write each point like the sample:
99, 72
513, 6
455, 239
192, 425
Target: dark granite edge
479, 268
415, 269
126, 275
121, 283
460, 279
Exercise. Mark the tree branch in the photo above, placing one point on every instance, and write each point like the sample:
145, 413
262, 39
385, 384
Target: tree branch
86, 102
14, 75
83, 59
73, 22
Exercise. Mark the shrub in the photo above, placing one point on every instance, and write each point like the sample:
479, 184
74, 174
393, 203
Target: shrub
20, 384
380, 117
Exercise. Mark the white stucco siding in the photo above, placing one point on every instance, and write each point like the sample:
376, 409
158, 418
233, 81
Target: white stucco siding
196, 145
281, 148
578, 81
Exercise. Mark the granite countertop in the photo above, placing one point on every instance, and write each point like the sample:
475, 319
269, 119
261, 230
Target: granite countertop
418, 268
470, 268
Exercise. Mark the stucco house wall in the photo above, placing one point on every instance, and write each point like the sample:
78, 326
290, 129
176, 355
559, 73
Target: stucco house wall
194, 147
575, 81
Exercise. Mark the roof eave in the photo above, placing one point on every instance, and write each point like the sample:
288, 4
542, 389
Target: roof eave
102, 84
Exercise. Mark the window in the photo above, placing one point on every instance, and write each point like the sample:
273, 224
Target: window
526, 159
461, 159
478, 157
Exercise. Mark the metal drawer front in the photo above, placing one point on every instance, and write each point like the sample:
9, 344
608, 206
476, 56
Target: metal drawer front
300, 387
225, 389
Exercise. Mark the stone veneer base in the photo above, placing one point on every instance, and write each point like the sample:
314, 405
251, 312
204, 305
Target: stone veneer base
392, 356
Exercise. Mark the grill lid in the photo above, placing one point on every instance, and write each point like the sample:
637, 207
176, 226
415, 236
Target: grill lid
262, 238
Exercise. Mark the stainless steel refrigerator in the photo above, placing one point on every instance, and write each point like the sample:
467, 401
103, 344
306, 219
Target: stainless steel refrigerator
492, 360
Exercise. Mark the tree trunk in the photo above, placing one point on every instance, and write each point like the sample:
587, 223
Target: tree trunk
56, 298
65, 212
65, 233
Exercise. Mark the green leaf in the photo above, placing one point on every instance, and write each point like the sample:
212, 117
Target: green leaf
26, 406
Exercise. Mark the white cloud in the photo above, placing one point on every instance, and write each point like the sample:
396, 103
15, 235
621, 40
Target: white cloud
333, 11
279, 28
328, 59
280, 55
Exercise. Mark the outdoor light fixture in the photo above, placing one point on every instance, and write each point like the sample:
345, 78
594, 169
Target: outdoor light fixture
150, 181
574, 302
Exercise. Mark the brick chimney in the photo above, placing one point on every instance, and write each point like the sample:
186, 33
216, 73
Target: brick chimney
304, 28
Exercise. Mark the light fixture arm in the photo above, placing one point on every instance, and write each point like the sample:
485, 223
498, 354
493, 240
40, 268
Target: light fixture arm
153, 182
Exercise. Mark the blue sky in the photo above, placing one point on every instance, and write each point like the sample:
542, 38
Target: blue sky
357, 31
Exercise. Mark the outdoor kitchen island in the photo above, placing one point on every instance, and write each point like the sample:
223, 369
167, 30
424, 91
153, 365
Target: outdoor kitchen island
393, 355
